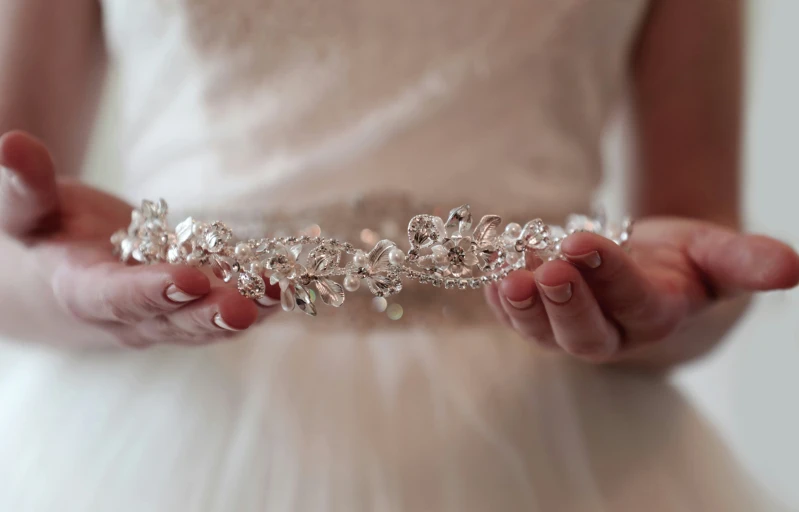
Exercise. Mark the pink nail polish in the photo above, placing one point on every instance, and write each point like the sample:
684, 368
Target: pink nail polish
220, 322
175, 294
590, 260
559, 294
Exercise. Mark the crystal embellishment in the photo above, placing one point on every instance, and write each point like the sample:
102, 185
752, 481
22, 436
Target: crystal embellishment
455, 254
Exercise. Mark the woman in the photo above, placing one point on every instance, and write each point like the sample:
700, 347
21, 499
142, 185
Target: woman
349, 113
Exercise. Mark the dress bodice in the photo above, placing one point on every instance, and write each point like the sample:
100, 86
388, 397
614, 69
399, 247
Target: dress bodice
287, 104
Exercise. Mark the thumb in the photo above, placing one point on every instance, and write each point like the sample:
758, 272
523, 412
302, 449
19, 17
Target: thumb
732, 262
28, 195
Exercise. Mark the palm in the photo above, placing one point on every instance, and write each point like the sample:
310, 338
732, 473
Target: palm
661, 248
66, 228
82, 227
604, 303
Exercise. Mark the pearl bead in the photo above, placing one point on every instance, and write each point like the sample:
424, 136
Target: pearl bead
513, 230
440, 255
396, 256
193, 260
351, 283
197, 229
360, 259
513, 257
243, 250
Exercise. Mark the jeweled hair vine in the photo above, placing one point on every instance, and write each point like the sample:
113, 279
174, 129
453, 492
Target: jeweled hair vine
453, 253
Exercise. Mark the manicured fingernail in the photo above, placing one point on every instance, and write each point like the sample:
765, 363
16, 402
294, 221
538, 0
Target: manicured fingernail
220, 322
268, 301
558, 294
10, 179
590, 260
521, 304
175, 294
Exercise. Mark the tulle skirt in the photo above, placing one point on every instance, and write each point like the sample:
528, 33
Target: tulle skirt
287, 419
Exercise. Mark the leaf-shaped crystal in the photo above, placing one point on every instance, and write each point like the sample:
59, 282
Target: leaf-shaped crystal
161, 209
184, 231
174, 255
490, 259
303, 300
384, 285
251, 286
148, 209
425, 230
460, 218
296, 250
485, 234
136, 219
222, 267
126, 248
330, 292
321, 260
287, 297
379, 256
215, 236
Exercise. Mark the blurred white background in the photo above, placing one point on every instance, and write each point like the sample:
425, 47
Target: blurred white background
750, 388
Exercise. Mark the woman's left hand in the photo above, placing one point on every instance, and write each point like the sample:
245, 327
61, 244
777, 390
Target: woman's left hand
605, 303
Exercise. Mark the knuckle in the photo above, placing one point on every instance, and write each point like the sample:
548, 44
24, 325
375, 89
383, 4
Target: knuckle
119, 313
148, 305
590, 351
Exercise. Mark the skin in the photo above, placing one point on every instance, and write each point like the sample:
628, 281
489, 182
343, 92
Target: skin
686, 278
689, 272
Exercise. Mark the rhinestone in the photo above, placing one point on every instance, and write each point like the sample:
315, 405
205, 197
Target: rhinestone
215, 236
251, 286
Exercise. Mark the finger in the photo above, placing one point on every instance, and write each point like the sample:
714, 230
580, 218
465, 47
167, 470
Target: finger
28, 194
492, 298
734, 262
111, 292
577, 321
620, 287
521, 303
224, 309
271, 298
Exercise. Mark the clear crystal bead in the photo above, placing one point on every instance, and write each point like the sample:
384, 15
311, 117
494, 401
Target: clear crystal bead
535, 234
222, 267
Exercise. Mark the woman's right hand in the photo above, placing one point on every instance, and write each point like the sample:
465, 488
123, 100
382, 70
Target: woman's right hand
66, 227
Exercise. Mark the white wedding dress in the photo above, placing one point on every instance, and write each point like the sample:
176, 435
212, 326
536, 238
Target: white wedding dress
337, 112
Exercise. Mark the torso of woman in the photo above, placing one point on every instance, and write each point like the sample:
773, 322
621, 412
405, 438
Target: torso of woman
351, 114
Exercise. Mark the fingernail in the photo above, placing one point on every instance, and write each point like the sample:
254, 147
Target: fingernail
521, 304
219, 322
11, 180
590, 260
175, 294
558, 294
268, 301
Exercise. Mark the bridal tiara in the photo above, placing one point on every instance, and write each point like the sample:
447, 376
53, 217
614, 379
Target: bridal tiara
451, 253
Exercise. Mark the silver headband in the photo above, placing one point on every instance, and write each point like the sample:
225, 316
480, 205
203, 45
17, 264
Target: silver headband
454, 254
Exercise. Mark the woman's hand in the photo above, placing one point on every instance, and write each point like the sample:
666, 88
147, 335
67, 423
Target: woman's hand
605, 305
66, 228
